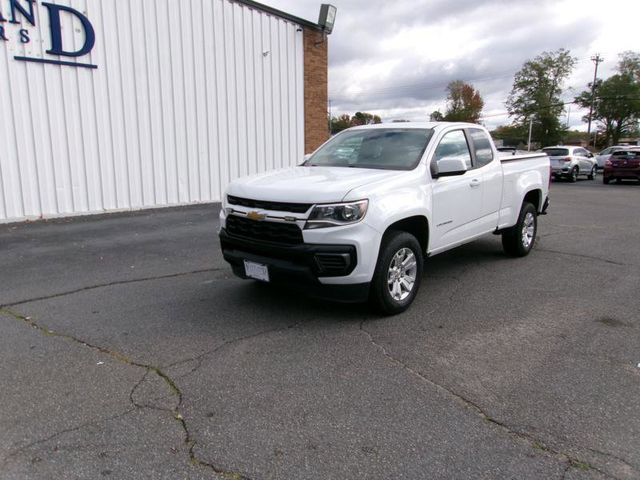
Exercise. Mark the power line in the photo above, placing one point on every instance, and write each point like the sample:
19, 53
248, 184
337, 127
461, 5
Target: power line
562, 104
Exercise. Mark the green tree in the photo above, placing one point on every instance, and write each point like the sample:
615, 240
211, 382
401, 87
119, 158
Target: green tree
464, 103
345, 121
629, 64
617, 100
536, 92
436, 116
616, 107
340, 123
511, 135
364, 118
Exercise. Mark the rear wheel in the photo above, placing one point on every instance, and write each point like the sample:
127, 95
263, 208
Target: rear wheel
594, 172
606, 180
398, 273
573, 176
519, 240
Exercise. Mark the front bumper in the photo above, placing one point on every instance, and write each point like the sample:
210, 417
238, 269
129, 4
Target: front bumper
300, 267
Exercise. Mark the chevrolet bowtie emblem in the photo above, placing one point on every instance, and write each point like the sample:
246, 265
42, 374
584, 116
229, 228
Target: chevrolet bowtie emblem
256, 216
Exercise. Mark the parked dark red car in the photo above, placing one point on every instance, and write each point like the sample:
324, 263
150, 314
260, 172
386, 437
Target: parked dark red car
623, 164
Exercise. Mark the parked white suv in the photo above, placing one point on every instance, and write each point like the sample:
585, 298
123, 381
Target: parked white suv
569, 162
356, 219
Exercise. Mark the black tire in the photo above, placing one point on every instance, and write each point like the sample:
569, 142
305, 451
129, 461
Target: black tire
618, 181
594, 172
605, 180
573, 176
380, 297
513, 239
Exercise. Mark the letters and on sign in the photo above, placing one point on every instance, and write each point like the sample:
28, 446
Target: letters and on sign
18, 17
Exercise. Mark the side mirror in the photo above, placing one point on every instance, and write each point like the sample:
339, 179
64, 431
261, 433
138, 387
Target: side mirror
451, 166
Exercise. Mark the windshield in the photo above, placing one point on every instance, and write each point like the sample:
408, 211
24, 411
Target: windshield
556, 152
381, 148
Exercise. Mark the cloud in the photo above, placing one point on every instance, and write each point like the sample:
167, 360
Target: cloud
396, 58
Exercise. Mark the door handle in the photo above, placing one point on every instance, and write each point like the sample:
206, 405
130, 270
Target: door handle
475, 183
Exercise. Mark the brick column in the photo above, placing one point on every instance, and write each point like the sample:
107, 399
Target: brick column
316, 95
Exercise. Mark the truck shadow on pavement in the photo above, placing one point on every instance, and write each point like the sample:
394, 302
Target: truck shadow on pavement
274, 299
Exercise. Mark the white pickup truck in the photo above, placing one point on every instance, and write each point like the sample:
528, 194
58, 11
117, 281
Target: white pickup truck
356, 219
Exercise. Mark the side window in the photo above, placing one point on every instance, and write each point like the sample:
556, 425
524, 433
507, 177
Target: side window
453, 144
482, 147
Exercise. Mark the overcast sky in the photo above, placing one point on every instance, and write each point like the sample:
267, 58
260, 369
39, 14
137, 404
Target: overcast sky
395, 58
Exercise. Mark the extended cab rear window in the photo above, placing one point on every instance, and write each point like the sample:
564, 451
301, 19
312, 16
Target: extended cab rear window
379, 148
556, 152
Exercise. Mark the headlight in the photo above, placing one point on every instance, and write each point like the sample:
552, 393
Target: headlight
335, 215
225, 204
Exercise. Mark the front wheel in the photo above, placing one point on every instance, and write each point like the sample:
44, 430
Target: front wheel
594, 172
519, 240
398, 273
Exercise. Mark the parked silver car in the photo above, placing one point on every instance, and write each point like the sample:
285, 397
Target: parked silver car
569, 162
605, 155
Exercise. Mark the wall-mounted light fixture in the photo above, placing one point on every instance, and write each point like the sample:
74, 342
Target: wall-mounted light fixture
327, 17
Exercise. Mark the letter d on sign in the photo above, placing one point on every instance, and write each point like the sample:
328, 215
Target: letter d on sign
56, 31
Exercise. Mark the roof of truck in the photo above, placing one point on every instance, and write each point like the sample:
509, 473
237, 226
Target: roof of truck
418, 125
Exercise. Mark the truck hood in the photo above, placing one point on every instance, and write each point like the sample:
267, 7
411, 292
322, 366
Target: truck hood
307, 184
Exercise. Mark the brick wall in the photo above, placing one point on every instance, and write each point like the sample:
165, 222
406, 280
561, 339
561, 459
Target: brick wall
316, 94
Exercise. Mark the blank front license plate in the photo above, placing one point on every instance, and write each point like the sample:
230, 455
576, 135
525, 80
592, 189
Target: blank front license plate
256, 270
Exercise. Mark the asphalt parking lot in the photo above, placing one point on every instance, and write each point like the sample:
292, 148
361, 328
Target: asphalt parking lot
128, 350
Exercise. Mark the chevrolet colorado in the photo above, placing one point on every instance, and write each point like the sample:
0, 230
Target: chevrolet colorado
356, 219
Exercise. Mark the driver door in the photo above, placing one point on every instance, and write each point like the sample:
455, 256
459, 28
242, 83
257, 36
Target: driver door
457, 200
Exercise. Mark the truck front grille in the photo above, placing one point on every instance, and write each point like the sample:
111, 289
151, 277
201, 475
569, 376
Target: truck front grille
264, 231
266, 205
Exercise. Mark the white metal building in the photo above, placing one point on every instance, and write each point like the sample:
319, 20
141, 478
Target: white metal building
114, 105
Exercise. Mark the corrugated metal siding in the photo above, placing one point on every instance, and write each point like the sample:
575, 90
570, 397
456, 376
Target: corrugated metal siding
188, 95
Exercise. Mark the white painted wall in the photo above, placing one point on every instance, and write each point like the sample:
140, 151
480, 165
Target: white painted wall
188, 95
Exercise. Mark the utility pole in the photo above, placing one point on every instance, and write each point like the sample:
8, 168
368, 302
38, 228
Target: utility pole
595, 59
530, 132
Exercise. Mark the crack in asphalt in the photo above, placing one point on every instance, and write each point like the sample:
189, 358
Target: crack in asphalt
147, 405
175, 412
199, 358
63, 432
590, 257
110, 284
615, 457
566, 470
570, 461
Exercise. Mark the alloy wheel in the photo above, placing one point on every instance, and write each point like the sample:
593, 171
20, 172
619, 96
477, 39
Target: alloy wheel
401, 276
528, 230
